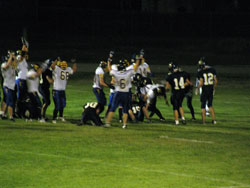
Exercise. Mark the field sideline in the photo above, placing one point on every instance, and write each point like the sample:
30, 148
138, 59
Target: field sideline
156, 155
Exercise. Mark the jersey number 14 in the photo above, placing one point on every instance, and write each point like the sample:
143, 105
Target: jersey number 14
179, 84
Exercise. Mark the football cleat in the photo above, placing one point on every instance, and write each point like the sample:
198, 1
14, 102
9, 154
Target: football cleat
214, 122
42, 120
183, 122
106, 125
124, 126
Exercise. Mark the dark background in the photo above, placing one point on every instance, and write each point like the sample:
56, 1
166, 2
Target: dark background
180, 30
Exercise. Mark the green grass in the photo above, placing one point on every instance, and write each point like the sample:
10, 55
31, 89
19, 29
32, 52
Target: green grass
157, 155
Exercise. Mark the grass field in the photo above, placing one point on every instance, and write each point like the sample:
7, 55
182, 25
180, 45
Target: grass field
157, 155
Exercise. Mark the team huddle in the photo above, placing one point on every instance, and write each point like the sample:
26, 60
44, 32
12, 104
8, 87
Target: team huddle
135, 94
26, 91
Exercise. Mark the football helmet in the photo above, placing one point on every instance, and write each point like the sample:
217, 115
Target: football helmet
103, 64
63, 65
126, 62
171, 66
121, 65
35, 66
133, 58
137, 79
201, 63
18, 52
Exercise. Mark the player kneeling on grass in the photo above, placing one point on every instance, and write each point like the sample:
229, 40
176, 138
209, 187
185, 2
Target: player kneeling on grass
91, 111
61, 74
122, 80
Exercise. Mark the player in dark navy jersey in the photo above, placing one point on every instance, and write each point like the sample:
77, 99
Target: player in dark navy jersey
208, 83
189, 94
91, 111
177, 81
45, 81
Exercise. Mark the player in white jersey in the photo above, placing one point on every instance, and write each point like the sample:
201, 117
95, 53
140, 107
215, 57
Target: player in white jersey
9, 81
122, 78
99, 82
143, 68
152, 93
22, 69
33, 76
61, 73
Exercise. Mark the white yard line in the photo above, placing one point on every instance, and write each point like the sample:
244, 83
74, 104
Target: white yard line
239, 185
186, 140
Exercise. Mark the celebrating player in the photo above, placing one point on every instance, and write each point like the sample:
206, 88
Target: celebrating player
143, 68
8, 72
122, 79
22, 69
33, 77
99, 82
61, 74
45, 81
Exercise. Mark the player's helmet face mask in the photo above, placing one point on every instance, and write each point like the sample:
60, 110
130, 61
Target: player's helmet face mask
63, 65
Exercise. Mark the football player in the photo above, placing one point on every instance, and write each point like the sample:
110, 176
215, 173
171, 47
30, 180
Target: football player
9, 81
61, 73
152, 93
189, 94
142, 85
208, 83
143, 68
45, 82
99, 82
33, 76
122, 79
91, 113
199, 91
4, 59
22, 69
177, 81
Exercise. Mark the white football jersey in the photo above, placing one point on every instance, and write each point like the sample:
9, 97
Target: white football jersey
61, 77
22, 68
9, 76
96, 81
122, 79
143, 69
150, 92
32, 83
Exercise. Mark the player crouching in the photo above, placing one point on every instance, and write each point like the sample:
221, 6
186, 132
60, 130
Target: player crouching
91, 111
